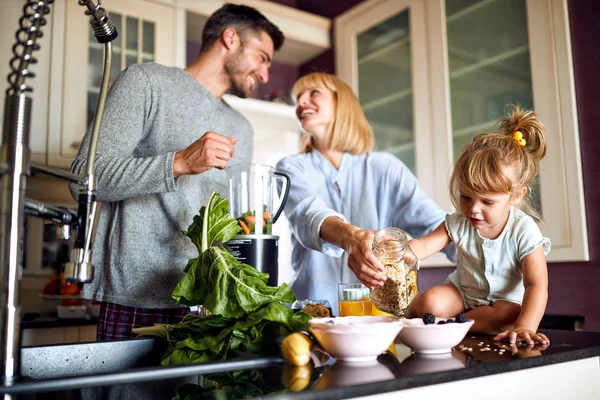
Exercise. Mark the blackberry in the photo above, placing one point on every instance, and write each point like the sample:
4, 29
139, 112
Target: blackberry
441, 322
460, 318
428, 319
449, 321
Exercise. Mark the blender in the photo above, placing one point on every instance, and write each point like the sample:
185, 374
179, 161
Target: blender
256, 203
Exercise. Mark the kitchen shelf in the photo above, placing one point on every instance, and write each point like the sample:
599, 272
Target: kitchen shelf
400, 148
468, 10
383, 50
484, 126
472, 58
488, 61
386, 99
117, 50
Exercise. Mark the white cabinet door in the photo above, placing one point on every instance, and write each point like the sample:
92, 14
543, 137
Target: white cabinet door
146, 33
468, 59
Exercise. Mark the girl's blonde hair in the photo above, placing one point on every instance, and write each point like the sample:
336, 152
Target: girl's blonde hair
351, 131
497, 163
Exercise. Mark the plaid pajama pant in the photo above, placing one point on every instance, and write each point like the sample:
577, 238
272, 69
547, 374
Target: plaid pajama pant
115, 322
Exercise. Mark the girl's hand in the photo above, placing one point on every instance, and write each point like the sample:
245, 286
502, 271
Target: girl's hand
527, 335
361, 260
524, 350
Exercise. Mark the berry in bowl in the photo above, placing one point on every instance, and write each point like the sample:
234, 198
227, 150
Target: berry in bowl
430, 335
355, 339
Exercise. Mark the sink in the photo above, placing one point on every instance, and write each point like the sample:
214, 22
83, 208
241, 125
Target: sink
45, 362
131, 365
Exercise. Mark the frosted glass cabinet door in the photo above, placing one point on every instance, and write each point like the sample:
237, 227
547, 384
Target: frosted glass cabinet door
488, 64
385, 85
489, 67
381, 52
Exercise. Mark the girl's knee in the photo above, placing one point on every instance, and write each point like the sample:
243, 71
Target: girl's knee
438, 300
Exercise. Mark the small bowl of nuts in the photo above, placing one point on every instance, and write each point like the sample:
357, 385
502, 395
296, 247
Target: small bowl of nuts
430, 335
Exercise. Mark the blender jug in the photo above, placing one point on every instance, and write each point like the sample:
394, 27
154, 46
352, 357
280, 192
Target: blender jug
253, 195
256, 203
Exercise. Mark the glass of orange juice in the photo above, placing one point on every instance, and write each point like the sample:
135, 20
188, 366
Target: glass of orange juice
353, 299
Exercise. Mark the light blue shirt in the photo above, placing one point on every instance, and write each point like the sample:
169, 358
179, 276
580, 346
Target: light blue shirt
491, 269
370, 191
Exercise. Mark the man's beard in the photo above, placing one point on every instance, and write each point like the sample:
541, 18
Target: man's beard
236, 72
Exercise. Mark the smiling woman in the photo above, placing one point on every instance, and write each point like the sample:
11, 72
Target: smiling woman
341, 193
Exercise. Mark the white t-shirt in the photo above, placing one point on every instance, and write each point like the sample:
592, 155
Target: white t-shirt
491, 269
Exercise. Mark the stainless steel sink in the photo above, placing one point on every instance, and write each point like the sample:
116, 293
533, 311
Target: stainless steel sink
130, 365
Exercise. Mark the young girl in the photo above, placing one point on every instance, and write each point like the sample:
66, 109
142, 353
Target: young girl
501, 279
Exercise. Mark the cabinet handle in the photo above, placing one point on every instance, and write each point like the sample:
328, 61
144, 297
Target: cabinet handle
75, 145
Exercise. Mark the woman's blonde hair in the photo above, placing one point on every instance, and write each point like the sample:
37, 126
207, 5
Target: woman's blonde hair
497, 163
351, 131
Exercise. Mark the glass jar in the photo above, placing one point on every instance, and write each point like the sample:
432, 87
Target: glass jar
390, 246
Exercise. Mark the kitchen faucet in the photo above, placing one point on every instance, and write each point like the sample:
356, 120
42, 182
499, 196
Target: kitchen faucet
15, 166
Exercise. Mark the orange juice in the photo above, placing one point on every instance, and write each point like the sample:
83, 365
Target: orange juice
355, 307
377, 312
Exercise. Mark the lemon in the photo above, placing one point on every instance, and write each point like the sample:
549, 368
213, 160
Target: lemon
296, 349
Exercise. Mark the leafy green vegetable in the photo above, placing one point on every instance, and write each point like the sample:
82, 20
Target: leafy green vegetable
241, 304
216, 279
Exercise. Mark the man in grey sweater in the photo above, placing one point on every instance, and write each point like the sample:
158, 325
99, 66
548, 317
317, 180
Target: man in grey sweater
165, 138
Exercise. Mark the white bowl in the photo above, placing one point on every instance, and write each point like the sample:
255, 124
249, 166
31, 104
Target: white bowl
433, 338
355, 339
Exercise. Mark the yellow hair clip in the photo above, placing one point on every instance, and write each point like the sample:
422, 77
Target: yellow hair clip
518, 137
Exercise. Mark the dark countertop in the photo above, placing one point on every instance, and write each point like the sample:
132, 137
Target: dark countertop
264, 376
50, 320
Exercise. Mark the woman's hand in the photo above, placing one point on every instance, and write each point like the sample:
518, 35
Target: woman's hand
361, 260
525, 334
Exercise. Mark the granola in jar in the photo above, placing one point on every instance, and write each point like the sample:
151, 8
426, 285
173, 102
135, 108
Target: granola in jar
390, 246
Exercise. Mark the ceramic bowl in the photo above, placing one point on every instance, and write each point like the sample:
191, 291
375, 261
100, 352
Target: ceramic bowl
355, 339
433, 338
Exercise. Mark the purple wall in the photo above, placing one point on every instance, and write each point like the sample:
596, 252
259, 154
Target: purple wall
324, 62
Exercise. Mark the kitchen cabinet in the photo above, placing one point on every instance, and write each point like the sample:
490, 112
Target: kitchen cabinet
146, 34
432, 74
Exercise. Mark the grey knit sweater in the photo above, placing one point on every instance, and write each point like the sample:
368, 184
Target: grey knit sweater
152, 111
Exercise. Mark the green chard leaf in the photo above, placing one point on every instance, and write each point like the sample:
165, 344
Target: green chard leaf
212, 224
242, 305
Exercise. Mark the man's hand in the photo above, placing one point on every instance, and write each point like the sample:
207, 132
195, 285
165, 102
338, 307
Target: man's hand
212, 150
361, 259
